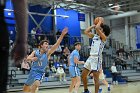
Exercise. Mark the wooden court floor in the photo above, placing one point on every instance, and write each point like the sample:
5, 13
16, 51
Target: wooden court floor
133, 87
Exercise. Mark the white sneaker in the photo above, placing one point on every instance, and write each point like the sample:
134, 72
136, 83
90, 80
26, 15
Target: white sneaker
114, 82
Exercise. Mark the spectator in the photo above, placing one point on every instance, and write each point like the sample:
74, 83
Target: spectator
124, 65
66, 51
118, 64
60, 72
51, 63
58, 32
64, 59
33, 33
57, 63
53, 69
25, 66
114, 74
47, 73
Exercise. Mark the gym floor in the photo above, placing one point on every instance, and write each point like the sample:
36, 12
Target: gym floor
133, 87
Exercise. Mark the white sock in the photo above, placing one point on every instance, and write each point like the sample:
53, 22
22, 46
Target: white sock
108, 85
100, 87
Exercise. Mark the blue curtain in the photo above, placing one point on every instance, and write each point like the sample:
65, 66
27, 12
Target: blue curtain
138, 36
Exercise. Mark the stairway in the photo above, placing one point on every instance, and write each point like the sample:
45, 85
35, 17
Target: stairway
132, 75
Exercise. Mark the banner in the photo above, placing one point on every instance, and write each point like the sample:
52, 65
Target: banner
81, 17
138, 36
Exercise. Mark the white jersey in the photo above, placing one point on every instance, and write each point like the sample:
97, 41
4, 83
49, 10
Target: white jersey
97, 46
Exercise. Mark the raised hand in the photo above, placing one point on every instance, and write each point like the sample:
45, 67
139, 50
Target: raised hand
65, 31
34, 59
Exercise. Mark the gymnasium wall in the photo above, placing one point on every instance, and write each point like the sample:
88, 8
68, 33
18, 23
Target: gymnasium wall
118, 30
118, 25
83, 26
47, 24
138, 36
9, 18
71, 22
135, 35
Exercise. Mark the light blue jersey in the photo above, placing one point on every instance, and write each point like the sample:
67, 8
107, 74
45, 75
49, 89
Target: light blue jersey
41, 63
73, 68
38, 68
74, 53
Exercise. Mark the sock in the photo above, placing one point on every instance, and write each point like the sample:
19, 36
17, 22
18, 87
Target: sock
108, 85
100, 87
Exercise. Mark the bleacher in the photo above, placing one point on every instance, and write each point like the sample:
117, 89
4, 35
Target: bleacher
18, 80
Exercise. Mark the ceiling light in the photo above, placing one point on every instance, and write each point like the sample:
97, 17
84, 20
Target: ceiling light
9, 14
110, 4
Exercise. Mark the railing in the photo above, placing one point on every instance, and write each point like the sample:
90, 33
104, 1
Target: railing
11, 76
34, 39
70, 40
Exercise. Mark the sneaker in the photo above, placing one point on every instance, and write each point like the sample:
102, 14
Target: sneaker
100, 90
116, 82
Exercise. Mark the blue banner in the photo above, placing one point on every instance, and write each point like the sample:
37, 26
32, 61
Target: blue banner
138, 36
81, 17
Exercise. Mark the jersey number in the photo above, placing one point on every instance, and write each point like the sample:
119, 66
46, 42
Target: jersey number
40, 63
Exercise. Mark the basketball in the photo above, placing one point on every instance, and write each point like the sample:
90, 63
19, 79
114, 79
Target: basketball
96, 20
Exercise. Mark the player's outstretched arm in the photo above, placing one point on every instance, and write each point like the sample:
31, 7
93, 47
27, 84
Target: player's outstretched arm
76, 60
55, 46
88, 31
32, 57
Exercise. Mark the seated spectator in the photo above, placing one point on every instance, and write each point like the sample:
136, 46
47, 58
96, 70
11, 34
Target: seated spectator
66, 51
60, 72
57, 63
51, 63
124, 65
47, 73
25, 66
118, 64
64, 59
114, 74
53, 69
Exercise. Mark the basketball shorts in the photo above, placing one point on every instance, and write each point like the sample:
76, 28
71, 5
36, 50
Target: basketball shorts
33, 76
102, 76
93, 63
74, 71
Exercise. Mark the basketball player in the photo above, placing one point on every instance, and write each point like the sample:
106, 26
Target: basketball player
94, 62
102, 78
39, 58
73, 68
